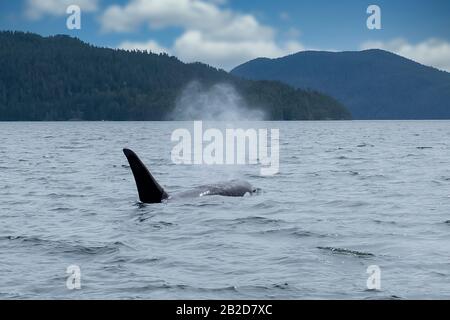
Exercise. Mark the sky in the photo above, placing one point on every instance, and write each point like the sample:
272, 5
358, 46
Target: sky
226, 33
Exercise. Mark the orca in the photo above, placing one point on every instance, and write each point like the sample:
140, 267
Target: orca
150, 191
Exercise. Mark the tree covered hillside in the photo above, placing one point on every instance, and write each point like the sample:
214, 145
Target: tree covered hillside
63, 78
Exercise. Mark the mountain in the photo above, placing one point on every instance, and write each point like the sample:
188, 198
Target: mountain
63, 78
373, 84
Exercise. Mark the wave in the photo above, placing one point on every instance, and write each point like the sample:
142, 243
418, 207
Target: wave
61, 246
258, 220
292, 232
363, 145
343, 251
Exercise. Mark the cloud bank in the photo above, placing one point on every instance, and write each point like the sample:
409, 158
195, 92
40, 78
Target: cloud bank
37, 9
431, 52
211, 33
215, 34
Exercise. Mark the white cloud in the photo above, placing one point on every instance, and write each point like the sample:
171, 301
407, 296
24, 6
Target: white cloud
431, 52
150, 45
36, 9
211, 33
194, 45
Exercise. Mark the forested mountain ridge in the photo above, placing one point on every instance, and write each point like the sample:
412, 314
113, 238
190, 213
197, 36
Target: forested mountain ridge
372, 84
63, 78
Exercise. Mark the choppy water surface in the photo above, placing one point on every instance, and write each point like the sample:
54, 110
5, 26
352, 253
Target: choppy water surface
349, 195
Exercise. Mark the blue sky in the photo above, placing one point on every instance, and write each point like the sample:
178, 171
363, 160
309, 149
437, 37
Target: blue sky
225, 33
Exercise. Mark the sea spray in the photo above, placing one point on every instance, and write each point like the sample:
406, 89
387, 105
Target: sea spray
219, 102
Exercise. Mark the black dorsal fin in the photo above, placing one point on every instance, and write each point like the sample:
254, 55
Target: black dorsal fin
149, 190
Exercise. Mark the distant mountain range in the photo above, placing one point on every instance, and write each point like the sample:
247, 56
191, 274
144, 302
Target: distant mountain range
373, 84
63, 78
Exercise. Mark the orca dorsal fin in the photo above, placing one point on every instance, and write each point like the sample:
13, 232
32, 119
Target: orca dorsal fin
149, 190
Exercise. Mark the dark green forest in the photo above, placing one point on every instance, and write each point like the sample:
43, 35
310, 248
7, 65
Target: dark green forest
63, 78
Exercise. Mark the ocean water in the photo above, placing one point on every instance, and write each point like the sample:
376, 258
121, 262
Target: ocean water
348, 195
